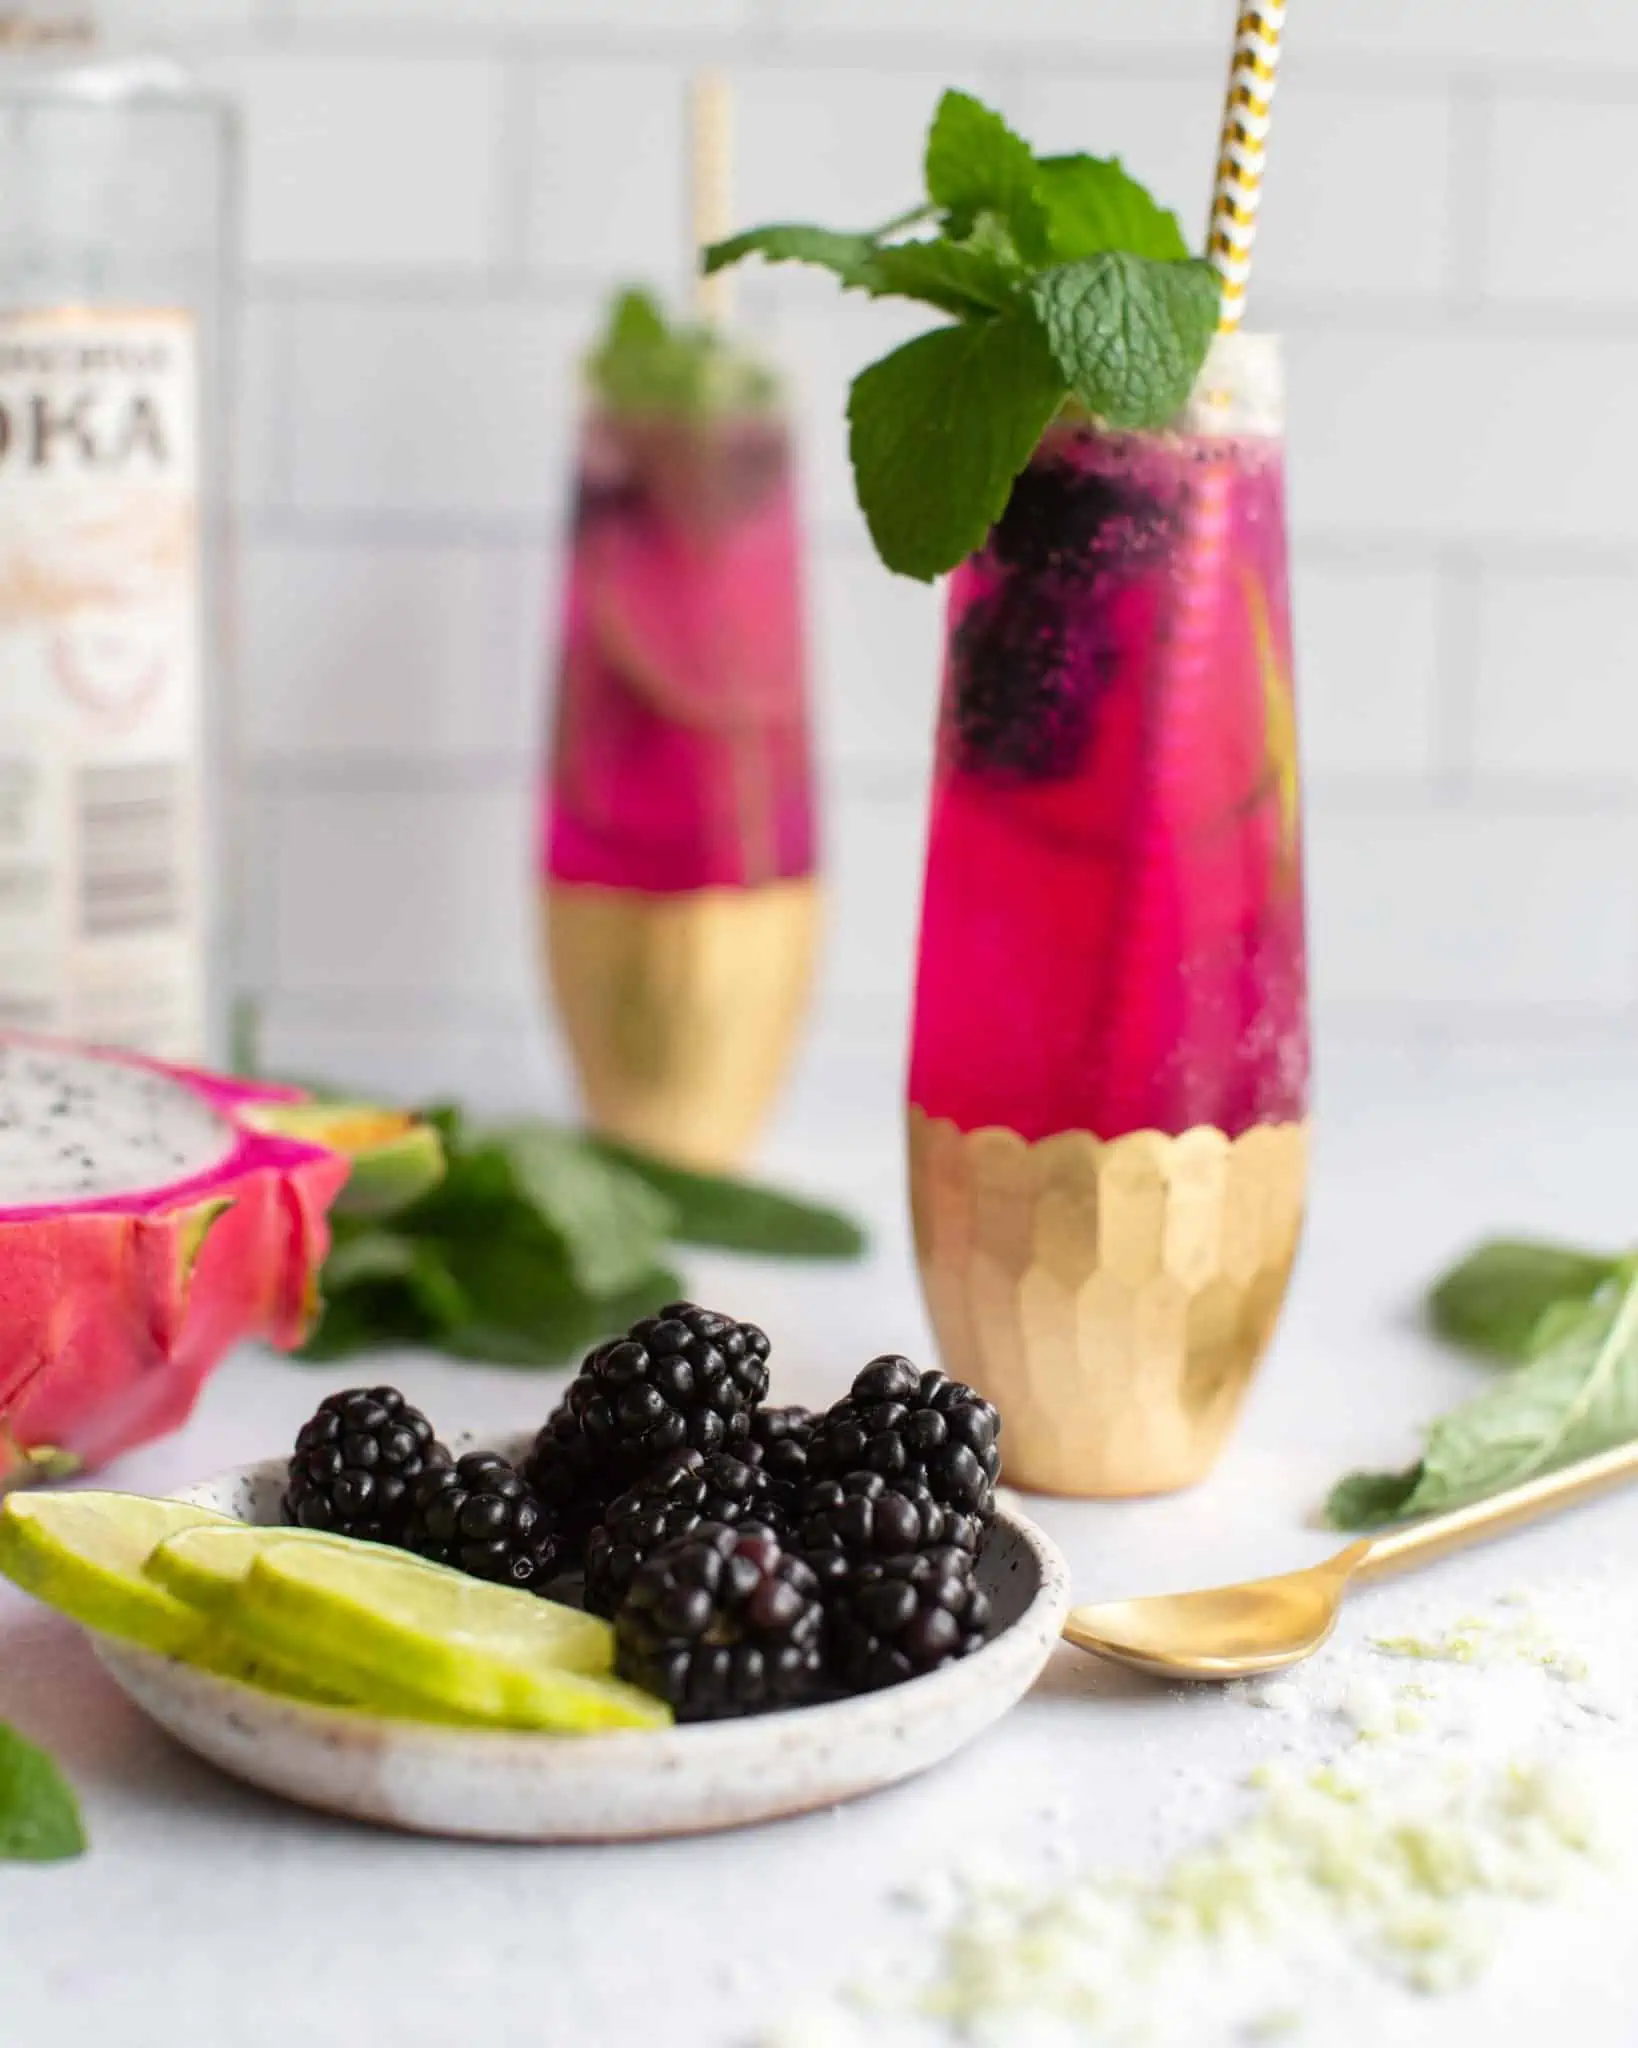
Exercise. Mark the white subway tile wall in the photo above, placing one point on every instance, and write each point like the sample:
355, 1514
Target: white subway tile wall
440, 194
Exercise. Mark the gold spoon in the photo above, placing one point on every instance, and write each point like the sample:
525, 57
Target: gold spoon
1266, 1624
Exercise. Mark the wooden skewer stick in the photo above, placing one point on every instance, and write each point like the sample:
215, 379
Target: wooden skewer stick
711, 149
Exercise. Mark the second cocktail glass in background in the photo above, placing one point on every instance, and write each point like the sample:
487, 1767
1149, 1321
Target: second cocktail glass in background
678, 847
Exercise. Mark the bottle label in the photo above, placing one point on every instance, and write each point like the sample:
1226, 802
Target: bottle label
101, 926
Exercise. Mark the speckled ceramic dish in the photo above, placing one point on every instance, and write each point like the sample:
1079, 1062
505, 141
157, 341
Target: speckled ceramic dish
545, 1788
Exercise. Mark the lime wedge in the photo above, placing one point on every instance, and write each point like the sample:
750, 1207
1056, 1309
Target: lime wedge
83, 1553
364, 1619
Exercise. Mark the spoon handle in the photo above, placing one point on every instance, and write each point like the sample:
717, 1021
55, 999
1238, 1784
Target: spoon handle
1431, 1537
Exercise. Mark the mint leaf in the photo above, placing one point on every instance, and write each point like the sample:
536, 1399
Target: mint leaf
610, 1223
1370, 1500
976, 164
643, 363
1497, 1297
947, 274
1578, 1397
359, 1258
954, 277
848, 255
39, 1815
738, 1216
524, 1316
1128, 335
637, 321
1093, 204
939, 429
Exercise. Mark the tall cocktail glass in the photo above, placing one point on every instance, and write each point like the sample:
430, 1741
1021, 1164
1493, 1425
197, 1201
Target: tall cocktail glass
1109, 1068
678, 844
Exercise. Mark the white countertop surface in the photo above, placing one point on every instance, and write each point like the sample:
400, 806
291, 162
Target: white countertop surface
206, 1913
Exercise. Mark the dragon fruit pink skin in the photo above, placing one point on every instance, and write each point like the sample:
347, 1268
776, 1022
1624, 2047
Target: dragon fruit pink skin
118, 1300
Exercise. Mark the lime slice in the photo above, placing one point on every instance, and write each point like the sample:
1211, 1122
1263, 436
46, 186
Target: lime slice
205, 1568
83, 1553
362, 1618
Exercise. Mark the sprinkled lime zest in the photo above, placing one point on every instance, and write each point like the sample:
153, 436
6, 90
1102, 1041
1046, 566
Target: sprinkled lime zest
1406, 1875
1070, 286
647, 364
1474, 1640
1394, 1857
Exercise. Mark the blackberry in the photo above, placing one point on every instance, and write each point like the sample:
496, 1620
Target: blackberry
863, 1515
919, 1426
1032, 656
893, 1618
682, 1491
779, 1442
355, 1462
480, 1517
722, 1622
1053, 518
572, 1483
1022, 713
685, 1379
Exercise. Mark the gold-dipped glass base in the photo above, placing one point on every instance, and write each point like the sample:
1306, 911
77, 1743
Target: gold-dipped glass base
682, 1011
1111, 1297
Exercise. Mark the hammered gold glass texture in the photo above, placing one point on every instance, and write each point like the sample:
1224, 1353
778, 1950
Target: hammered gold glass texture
682, 1011
1112, 1298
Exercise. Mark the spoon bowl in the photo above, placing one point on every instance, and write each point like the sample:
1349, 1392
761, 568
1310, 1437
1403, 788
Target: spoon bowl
1224, 1632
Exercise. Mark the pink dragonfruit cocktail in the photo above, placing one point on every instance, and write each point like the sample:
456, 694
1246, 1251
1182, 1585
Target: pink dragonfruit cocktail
682, 745
678, 842
1109, 1055
1112, 928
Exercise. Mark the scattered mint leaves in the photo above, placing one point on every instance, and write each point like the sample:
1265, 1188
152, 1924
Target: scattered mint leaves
935, 468
1070, 284
1576, 1395
710, 1209
1505, 1298
1127, 334
645, 364
540, 1240
39, 1815
976, 164
1093, 203
610, 1223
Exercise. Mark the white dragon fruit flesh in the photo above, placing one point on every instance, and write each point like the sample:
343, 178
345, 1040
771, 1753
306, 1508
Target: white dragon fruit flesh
150, 1218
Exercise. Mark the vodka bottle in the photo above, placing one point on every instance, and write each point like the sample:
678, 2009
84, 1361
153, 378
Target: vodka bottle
117, 210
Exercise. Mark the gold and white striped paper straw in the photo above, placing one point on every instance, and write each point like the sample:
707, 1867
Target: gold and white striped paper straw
1242, 152
711, 186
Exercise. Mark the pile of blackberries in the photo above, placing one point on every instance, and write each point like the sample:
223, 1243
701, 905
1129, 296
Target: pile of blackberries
749, 1557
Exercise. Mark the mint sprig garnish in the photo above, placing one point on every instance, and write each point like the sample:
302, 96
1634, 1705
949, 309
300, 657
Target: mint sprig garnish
1070, 284
645, 363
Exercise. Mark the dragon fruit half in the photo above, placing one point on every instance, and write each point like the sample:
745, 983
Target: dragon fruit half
150, 1218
